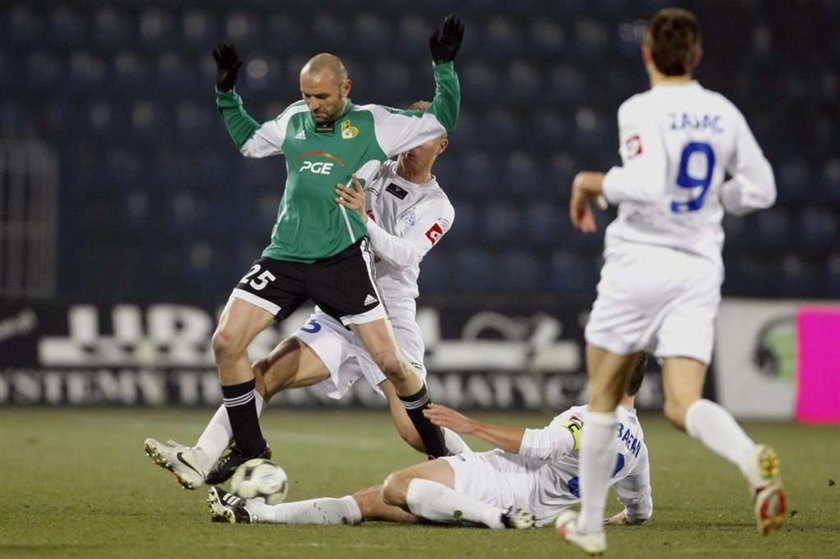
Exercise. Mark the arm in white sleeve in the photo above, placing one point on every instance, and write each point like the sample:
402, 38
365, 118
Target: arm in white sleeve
635, 493
391, 248
752, 186
552, 441
268, 139
434, 219
641, 177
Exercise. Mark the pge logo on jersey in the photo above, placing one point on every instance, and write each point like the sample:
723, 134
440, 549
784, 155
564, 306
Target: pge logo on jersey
319, 167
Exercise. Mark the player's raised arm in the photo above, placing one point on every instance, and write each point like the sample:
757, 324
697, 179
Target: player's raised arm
444, 46
250, 138
398, 131
752, 186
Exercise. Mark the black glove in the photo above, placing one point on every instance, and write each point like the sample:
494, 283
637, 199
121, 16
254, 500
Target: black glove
227, 66
445, 44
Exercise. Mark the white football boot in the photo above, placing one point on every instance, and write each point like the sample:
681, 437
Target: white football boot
183, 461
566, 525
765, 480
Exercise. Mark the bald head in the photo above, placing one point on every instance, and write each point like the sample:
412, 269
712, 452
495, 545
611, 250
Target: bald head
325, 87
325, 62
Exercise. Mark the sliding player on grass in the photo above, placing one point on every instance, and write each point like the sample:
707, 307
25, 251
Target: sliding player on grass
528, 480
406, 214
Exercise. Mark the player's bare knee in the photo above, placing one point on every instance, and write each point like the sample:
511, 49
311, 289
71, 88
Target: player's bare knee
394, 489
225, 345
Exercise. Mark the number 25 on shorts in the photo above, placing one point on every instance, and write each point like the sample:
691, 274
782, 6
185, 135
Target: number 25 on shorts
261, 281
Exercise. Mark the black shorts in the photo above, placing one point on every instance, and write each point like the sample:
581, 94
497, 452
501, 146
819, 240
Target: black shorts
344, 285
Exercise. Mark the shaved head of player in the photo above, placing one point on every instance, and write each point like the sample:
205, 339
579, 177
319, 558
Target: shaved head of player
325, 87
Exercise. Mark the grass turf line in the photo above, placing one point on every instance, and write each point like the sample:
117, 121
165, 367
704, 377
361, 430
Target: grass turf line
77, 484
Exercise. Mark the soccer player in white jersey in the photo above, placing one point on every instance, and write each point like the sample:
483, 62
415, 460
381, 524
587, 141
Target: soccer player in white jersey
528, 480
406, 214
660, 284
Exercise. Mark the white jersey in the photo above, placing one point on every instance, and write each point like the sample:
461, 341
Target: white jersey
678, 142
411, 220
407, 220
543, 477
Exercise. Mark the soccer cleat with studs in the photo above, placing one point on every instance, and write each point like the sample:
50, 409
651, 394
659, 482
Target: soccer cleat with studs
770, 508
518, 519
770, 498
183, 461
566, 525
227, 464
227, 507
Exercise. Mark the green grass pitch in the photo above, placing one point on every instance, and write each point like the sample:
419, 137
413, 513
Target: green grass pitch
76, 483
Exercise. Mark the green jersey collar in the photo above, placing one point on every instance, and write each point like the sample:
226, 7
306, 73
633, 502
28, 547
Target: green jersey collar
330, 126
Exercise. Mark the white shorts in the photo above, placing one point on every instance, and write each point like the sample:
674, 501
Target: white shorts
502, 479
346, 357
657, 299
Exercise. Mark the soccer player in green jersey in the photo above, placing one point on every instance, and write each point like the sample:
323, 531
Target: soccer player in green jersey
318, 249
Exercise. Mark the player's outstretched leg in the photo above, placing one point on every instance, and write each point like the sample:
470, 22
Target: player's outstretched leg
426, 490
379, 341
436, 502
323, 511
188, 464
240, 322
715, 427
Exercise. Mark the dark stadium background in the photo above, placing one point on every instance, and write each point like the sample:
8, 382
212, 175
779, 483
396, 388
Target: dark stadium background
127, 215
156, 204
122, 186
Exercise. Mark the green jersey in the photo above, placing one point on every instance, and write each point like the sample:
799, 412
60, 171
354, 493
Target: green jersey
310, 224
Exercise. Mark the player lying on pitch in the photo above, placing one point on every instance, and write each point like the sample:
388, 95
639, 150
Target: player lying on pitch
406, 213
527, 481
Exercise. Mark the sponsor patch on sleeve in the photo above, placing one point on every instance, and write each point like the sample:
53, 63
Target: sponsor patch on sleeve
434, 233
633, 146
